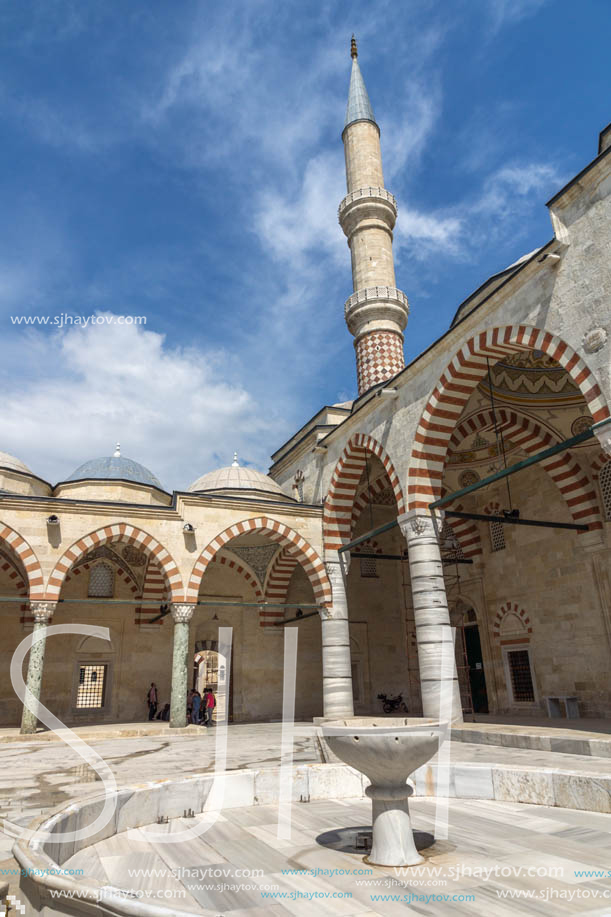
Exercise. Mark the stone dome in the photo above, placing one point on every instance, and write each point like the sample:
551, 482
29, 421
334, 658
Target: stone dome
12, 463
234, 480
115, 467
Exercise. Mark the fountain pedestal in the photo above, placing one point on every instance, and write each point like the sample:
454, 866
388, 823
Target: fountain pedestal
387, 751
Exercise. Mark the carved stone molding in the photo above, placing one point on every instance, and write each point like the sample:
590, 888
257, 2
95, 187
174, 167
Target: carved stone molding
182, 614
594, 340
42, 612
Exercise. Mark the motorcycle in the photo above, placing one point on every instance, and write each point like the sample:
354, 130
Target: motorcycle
390, 704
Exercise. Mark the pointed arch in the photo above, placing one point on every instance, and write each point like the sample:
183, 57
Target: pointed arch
9, 565
27, 558
241, 568
511, 609
276, 531
279, 576
337, 514
123, 532
601, 459
455, 386
564, 470
154, 594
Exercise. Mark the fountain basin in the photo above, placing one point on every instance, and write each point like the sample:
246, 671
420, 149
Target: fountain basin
387, 751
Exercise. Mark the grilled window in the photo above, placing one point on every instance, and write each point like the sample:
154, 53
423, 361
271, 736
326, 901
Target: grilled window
497, 536
605, 488
101, 581
369, 567
91, 685
521, 676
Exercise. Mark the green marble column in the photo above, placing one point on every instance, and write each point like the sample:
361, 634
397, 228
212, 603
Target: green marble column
42, 612
182, 615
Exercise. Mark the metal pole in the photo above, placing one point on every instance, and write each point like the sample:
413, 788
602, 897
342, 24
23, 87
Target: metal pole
519, 466
290, 620
367, 535
515, 520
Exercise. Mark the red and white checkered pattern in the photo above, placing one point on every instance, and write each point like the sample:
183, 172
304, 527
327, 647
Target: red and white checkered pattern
379, 356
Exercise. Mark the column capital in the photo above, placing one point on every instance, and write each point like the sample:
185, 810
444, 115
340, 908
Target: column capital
42, 612
182, 614
602, 431
336, 565
420, 523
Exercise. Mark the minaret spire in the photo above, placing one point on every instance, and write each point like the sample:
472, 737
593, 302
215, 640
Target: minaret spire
376, 313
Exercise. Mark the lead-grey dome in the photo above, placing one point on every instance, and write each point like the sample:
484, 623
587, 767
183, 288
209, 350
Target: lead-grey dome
115, 467
12, 463
234, 480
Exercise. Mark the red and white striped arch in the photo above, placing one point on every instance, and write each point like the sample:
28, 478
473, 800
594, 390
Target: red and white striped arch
275, 531
154, 594
564, 470
12, 571
277, 585
366, 496
451, 394
601, 459
243, 570
27, 559
510, 608
337, 515
126, 534
465, 530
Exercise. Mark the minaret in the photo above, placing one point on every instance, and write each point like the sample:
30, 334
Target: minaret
376, 313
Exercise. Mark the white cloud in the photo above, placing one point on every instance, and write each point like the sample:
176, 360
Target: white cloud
490, 213
173, 409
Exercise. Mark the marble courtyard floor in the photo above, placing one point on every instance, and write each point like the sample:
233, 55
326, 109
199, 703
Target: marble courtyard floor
480, 870
38, 773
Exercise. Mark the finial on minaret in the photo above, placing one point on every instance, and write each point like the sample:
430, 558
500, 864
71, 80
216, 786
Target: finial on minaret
353, 49
235, 463
117, 452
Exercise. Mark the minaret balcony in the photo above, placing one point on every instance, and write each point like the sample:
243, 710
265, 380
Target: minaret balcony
376, 307
367, 204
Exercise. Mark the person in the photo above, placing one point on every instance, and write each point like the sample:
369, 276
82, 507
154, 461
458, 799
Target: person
151, 698
210, 705
189, 703
195, 705
165, 715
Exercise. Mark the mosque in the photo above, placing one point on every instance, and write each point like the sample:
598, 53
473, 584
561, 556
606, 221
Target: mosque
451, 527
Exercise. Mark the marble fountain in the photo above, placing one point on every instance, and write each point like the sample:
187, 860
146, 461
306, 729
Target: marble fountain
387, 752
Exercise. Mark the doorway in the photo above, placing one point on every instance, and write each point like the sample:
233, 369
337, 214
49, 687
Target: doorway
469, 660
210, 670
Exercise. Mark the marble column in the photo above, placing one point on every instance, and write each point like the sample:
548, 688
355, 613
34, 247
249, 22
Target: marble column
42, 613
182, 615
336, 668
433, 631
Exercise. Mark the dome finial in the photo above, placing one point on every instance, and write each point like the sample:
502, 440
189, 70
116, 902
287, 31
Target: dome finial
117, 452
235, 463
353, 49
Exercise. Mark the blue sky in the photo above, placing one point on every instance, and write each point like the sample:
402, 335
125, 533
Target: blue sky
183, 162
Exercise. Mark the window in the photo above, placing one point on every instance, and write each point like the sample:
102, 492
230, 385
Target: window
101, 581
91, 684
369, 567
520, 673
605, 488
497, 536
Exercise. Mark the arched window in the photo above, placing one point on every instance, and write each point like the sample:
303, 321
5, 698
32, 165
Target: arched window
605, 488
101, 581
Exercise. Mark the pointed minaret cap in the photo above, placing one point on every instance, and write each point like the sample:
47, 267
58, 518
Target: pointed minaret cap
117, 452
235, 463
359, 107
